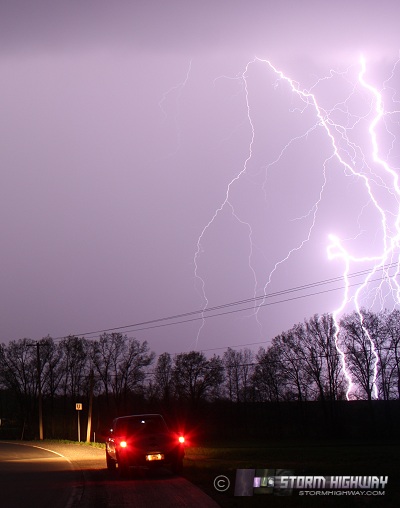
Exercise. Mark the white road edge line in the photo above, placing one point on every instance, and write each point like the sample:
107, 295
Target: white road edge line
75, 490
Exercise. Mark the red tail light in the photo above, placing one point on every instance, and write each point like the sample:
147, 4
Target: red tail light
181, 439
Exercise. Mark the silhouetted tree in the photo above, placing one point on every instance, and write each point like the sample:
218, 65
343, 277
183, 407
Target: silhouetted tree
75, 364
322, 357
131, 370
163, 377
299, 384
379, 329
239, 368
268, 379
51, 376
50, 355
358, 334
119, 365
196, 378
18, 373
392, 329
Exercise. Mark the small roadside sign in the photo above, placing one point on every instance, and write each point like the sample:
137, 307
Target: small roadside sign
78, 407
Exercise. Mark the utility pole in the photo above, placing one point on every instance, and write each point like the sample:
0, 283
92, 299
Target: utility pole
89, 422
40, 393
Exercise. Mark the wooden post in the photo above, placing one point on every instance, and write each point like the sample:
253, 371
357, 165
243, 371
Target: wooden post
40, 394
89, 422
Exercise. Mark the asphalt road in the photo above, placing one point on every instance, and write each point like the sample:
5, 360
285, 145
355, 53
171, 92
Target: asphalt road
34, 477
43, 475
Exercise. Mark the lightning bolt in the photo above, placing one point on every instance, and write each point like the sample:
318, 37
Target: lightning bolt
390, 221
379, 180
175, 90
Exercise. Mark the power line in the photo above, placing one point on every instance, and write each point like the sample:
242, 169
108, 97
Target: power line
203, 312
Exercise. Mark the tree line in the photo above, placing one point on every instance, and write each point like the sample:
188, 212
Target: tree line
300, 365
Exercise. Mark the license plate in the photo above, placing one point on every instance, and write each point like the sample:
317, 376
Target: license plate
155, 456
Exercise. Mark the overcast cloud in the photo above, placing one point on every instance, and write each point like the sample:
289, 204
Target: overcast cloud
122, 125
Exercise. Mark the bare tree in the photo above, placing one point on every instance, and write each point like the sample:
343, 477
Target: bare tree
130, 372
195, 377
238, 373
299, 385
51, 367
357, 332
19, 374
120, 365
18, 367
163, 377
378, 329
268, 379
323, 358
392, 353
75, 365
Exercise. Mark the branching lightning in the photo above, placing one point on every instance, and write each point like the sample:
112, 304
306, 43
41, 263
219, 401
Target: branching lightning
379, 180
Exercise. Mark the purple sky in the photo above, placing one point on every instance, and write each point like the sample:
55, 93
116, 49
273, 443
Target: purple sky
122, 125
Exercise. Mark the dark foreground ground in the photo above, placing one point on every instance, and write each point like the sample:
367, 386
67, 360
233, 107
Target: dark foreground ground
34, 478
377, 458
213, 468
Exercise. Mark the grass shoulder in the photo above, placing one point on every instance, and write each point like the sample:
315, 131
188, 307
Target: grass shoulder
101, 446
